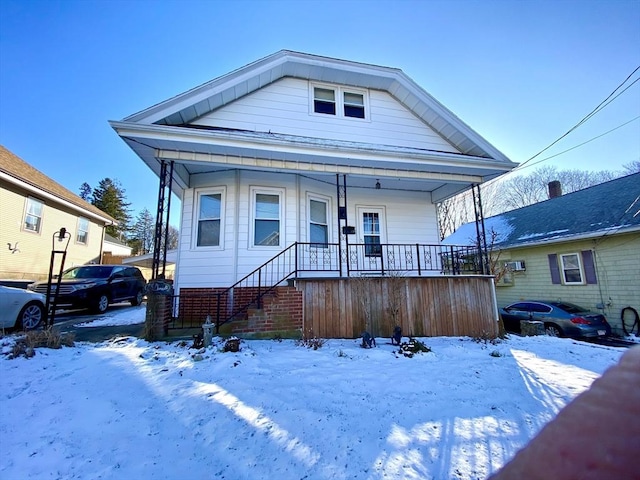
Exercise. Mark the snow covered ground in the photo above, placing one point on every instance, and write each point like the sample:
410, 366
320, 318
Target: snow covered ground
128, 409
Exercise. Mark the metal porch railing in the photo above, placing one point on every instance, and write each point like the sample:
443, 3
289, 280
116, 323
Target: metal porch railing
224, 305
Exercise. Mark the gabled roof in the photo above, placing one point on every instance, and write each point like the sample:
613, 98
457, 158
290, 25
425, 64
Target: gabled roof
606, 209
163, 131
199, 101
15, 170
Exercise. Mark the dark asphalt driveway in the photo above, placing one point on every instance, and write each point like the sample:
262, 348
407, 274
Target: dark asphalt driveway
67, 321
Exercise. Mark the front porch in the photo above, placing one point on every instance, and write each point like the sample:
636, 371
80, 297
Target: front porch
338, 292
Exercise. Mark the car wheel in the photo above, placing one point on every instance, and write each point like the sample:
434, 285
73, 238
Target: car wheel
30, 316
552, 330
102, 303
137, 300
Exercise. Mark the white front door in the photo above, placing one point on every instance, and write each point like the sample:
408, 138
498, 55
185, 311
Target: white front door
371, 236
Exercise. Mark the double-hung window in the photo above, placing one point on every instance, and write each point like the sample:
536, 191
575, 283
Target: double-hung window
318, 224
266, 219
571, 269
82, 235
33, 215
324, 101
353, 105
209, 219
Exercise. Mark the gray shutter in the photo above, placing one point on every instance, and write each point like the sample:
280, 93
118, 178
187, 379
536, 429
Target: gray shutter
589, 267
555, 270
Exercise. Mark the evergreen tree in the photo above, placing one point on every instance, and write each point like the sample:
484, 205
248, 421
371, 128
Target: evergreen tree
109, 196
142, 233
85, 192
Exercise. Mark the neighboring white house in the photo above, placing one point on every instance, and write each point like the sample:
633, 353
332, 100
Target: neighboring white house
115, 247
294, 147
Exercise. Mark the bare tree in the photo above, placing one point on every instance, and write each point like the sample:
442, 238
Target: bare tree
631, 167
525, 190
458, 210
516, 192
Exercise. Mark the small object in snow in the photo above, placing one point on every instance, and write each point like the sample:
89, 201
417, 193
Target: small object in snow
396, 338
367, 340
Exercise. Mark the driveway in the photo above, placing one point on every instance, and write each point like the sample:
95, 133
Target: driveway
68, 321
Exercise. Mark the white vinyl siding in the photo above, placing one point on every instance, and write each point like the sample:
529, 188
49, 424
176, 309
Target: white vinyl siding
410, 218
33, 215
82, 235
285, 106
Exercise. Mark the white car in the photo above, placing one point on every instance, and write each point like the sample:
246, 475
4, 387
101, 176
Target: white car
21, 309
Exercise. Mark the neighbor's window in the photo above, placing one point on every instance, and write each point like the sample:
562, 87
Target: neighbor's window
83, 230
571, 268
318, 225
209, 208
324, 101
266, 231
353, 105
33, 215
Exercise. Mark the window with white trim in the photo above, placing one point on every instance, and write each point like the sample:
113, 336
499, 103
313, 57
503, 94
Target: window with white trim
324, 101
339, 101
33, 215
82, 235
571, 269
209, 220
266, 218
318, 223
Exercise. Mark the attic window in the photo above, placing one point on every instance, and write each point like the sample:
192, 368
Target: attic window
353, 105
339, 101
324, 101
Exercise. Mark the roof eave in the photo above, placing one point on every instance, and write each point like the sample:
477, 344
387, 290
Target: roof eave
107, 220
571, 238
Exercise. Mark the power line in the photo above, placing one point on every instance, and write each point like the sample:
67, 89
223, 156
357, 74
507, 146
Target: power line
610, 98
521, 167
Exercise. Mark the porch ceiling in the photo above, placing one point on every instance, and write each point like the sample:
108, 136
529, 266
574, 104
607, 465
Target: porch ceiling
196, 152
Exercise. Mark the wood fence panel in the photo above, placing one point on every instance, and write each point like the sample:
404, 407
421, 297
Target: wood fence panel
430, 306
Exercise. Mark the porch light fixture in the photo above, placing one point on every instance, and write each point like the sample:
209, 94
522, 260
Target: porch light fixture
377, 184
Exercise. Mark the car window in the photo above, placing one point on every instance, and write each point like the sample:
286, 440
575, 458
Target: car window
540, 308
88, 271
570, 307
518, 307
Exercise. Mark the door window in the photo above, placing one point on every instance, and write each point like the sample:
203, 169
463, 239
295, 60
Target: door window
371, 234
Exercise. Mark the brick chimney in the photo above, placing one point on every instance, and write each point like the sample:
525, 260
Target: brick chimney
555, 189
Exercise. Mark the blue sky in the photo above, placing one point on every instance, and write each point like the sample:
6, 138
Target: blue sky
521, 73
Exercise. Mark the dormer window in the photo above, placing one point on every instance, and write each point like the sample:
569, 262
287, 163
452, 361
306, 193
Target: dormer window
342, 102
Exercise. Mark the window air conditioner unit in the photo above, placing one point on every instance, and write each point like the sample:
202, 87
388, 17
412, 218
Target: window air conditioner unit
517, 266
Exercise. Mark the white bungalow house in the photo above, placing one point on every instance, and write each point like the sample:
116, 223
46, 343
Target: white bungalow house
331, 167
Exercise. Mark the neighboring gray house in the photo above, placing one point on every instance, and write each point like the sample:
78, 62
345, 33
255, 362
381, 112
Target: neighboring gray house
583, 247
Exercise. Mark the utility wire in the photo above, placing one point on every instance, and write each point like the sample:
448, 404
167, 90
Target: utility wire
520, 167
600, 106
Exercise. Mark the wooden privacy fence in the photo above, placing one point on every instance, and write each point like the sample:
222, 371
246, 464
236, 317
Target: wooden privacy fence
461, 305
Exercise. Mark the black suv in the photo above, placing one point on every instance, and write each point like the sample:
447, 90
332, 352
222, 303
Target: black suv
96, 286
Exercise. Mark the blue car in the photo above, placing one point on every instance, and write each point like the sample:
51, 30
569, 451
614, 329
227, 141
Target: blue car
561, 319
